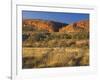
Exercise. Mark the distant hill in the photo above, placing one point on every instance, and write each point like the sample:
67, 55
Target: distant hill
42, 25
52, 26
76, 27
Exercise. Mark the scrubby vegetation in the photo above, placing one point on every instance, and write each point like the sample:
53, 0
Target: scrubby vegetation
41, 50
55, 39
42, 47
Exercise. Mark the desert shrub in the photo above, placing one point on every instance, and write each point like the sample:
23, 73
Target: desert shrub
66, 36
40, 36
28, 62
81, 35
41, 30
55, 39
59, 36
25, 36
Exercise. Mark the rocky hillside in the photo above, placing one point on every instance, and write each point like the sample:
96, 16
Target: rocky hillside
42, 25
52, 26
76, 27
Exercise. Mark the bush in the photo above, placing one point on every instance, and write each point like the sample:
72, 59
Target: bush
82, 35
40, 36
25, 37
67, 36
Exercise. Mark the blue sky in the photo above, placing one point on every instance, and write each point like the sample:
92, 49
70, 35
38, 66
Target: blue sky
55, 16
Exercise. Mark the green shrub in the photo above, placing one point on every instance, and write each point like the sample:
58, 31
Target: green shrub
82, 35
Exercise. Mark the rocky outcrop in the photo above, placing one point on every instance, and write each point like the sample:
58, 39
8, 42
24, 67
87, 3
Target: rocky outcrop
49, 26
76, 27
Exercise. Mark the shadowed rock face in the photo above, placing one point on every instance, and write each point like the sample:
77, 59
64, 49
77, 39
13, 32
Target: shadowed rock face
49, 26
76, 27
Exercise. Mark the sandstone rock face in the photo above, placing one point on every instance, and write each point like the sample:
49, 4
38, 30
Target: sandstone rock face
76, 27
41, 25
49, 26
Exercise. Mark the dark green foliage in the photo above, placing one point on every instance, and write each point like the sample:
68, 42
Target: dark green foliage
24, 37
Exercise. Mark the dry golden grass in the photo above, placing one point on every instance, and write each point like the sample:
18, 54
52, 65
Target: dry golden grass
55, 57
